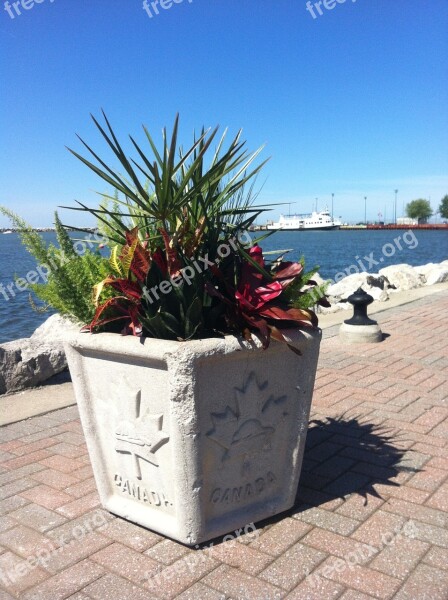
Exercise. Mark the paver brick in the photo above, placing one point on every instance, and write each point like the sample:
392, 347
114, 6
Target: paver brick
354, 595
425, 583
127, 563
293, 566
198, 590
327, 520
34, 446
167, 551
37, 517
280, 536
15, 487
26, 542
6, 523
81, 488
16, 574
359, 507
379, 527
113, 586
400, 557
439, 499
432, 534
21, 461
11, 503
414, 511
429, 479
241, 586
46, 496
437, 557
360, 578
80, 505
338, 545
54, 479
75, 550
316, 589
170, 581
64, 584
137, 538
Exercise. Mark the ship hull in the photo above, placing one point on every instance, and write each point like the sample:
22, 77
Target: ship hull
323, 228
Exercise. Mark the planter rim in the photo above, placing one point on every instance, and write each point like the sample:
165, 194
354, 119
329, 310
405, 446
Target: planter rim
131, 345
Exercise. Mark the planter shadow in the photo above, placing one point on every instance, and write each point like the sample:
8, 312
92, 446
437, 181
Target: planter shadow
345, 455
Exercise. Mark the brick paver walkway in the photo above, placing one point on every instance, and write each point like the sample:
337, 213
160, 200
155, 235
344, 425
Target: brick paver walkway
370, 520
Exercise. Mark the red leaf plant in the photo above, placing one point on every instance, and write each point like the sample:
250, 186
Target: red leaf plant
258, 301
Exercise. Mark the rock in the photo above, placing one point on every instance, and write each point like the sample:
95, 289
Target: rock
318, 279
375, 281
437, 275
377, 286
425, 269
403, 277
345, 288
376, 293
28, 362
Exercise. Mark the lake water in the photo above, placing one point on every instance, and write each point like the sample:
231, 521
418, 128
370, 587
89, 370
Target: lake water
335, 251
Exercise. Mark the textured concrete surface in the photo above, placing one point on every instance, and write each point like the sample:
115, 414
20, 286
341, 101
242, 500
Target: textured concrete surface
195, 439
370, 520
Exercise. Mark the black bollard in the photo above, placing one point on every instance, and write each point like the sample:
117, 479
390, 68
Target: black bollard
360, 300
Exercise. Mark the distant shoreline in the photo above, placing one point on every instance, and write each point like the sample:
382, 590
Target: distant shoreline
43, 230
391, 227
426, 227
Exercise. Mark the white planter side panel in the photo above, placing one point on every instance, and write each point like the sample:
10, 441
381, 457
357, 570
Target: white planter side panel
194, 439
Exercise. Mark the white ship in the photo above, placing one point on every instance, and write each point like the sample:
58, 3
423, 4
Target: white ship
316, 220
5, 232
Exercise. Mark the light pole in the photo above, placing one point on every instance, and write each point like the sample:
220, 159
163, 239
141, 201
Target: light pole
395, 211
332, 203
316, 204
365, 211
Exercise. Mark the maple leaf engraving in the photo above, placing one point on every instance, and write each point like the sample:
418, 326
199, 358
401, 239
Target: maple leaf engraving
140, 435
247, 429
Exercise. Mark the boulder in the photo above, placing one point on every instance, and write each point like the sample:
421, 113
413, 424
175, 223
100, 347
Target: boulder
438, 274
29, 362
425, 269
345, 288
375, 285
378, 281
403, 277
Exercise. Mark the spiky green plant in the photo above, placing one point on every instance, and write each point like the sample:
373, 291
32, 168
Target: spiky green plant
71, 276
177, 188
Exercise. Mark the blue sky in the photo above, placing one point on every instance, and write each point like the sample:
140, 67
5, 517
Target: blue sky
352, 102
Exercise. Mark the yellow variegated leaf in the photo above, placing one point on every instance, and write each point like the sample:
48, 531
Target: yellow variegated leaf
98, 288
114, 260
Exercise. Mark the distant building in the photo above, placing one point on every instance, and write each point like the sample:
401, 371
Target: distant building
406, 221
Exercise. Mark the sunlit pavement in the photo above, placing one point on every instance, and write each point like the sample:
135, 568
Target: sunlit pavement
370, 519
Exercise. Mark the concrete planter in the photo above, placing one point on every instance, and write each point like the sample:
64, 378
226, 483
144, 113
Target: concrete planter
194, 439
